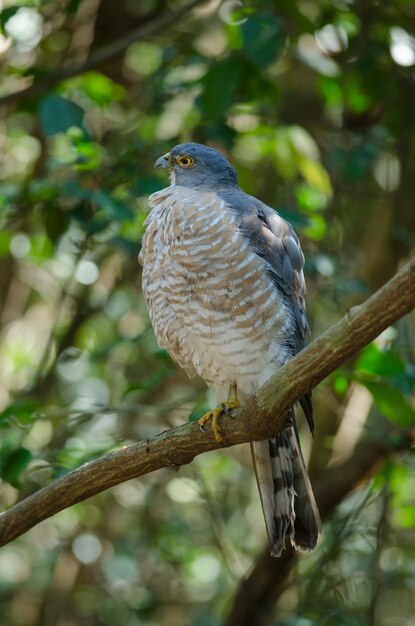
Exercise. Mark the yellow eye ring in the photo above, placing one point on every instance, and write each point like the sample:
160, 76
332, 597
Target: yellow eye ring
185, 161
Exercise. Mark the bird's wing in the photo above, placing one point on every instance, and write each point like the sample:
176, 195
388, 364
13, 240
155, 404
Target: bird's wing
286, 496
275, 241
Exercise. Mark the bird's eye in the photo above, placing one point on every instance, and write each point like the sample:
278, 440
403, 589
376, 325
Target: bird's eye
185, 161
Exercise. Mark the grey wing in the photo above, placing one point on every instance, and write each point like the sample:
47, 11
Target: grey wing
274, 240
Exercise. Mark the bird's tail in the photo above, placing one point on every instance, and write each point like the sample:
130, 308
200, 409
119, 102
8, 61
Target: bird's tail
287, 498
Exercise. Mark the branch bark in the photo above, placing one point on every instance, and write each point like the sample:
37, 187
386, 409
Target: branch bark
103, 55
261, 417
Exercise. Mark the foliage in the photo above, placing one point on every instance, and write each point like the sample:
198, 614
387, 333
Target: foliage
313, 103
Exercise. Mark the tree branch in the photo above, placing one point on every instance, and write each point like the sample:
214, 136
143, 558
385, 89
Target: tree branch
110, 51
261, 417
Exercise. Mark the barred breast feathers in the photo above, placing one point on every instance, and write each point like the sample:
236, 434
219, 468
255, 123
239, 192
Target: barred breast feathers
182, 209
201, 274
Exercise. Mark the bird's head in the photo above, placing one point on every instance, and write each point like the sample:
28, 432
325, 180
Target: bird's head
199, 167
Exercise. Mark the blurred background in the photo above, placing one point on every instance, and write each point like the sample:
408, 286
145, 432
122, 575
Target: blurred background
314, 104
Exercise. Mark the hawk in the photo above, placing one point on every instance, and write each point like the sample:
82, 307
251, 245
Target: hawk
224, 285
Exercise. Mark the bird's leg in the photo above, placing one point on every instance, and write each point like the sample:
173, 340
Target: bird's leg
231, 403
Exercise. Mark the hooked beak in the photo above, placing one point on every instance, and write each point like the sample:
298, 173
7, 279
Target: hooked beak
163, 161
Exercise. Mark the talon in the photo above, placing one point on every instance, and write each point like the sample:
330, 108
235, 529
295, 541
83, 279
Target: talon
224, 407
232, 403
202, 421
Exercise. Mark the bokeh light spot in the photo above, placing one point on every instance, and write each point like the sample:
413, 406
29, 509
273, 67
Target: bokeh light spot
14, 567
402, 47
182, 490
20, 246
87, 548
332, 39
205, 568
86, 272
25, 27
387, 172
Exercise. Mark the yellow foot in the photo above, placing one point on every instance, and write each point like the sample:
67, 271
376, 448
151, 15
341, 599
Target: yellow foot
224, 407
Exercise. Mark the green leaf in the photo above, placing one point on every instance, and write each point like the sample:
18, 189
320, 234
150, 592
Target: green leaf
5, 238
378, 362
340, 382
405, 516
316, 228
23, 412
58, 114
56, 222
331, 90
262, 38
309, 198
12, 463
109, 209
90, 155
358, 98
219, 87
315, 174
6, 14
99, 88
391, 403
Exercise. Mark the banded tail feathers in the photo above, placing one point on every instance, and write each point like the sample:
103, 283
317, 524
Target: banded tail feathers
287, 499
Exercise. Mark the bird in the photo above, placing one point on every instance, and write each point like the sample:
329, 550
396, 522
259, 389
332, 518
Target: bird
223, 280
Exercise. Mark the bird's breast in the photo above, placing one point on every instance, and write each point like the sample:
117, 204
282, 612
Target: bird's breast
210, 299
